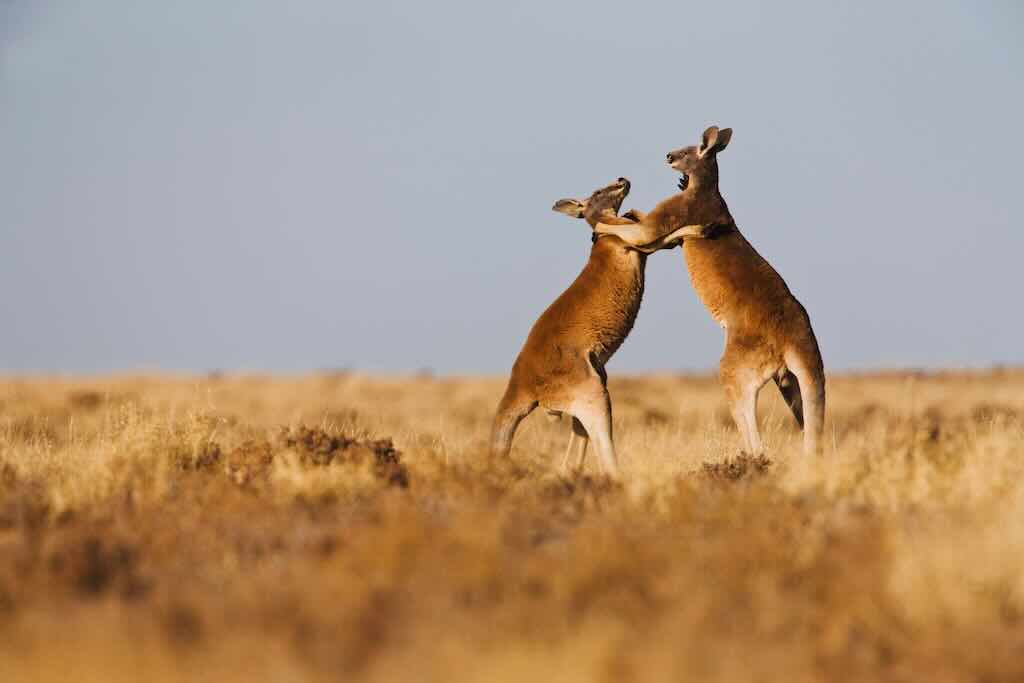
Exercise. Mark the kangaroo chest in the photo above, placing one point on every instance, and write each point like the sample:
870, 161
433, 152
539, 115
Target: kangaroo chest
732, 280
617, 304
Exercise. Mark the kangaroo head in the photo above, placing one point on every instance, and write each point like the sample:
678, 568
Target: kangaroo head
694, 213
699, 163
603, 203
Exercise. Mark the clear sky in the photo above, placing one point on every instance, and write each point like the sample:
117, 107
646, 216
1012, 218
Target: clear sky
288, 186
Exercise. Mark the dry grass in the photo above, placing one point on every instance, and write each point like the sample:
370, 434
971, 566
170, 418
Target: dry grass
250, 528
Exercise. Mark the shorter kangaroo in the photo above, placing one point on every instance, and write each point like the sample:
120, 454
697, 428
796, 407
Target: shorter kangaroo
768, 333
561, 365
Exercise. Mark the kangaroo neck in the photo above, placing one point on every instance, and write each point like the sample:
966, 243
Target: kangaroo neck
702, 187
695, 205
705, 181
611, 247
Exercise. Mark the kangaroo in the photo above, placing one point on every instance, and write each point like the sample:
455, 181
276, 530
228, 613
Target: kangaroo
768, 333
561, 365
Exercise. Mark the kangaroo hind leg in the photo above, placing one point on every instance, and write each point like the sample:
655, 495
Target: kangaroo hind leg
576, 452
810, 374
596, 418
742, 377
593, 408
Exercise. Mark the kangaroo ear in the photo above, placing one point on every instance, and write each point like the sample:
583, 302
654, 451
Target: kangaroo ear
570, 207
715, 140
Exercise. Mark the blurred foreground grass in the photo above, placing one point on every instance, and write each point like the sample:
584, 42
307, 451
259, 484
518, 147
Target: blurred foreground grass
350, 527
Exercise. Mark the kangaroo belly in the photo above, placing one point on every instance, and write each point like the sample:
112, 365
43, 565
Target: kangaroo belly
587, 323
737, 286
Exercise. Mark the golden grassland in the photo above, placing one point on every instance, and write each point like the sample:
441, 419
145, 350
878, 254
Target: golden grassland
246, 528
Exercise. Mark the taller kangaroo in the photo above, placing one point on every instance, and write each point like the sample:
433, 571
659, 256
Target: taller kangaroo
768, 333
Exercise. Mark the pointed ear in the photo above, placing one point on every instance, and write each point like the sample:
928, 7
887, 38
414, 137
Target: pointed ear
570, 207
715, 140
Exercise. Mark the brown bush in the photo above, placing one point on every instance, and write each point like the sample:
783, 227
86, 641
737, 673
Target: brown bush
318, 448
250, 461
743, 466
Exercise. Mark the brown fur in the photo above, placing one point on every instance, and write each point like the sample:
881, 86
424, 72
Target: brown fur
585, 325
561, 365
768, 332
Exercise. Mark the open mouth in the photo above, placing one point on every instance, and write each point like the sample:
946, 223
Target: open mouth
620, 193
684, 182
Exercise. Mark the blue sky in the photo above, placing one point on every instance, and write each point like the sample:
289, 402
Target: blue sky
293, 186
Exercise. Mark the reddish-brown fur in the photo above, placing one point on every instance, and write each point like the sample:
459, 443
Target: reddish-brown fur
561, 365
768, 332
